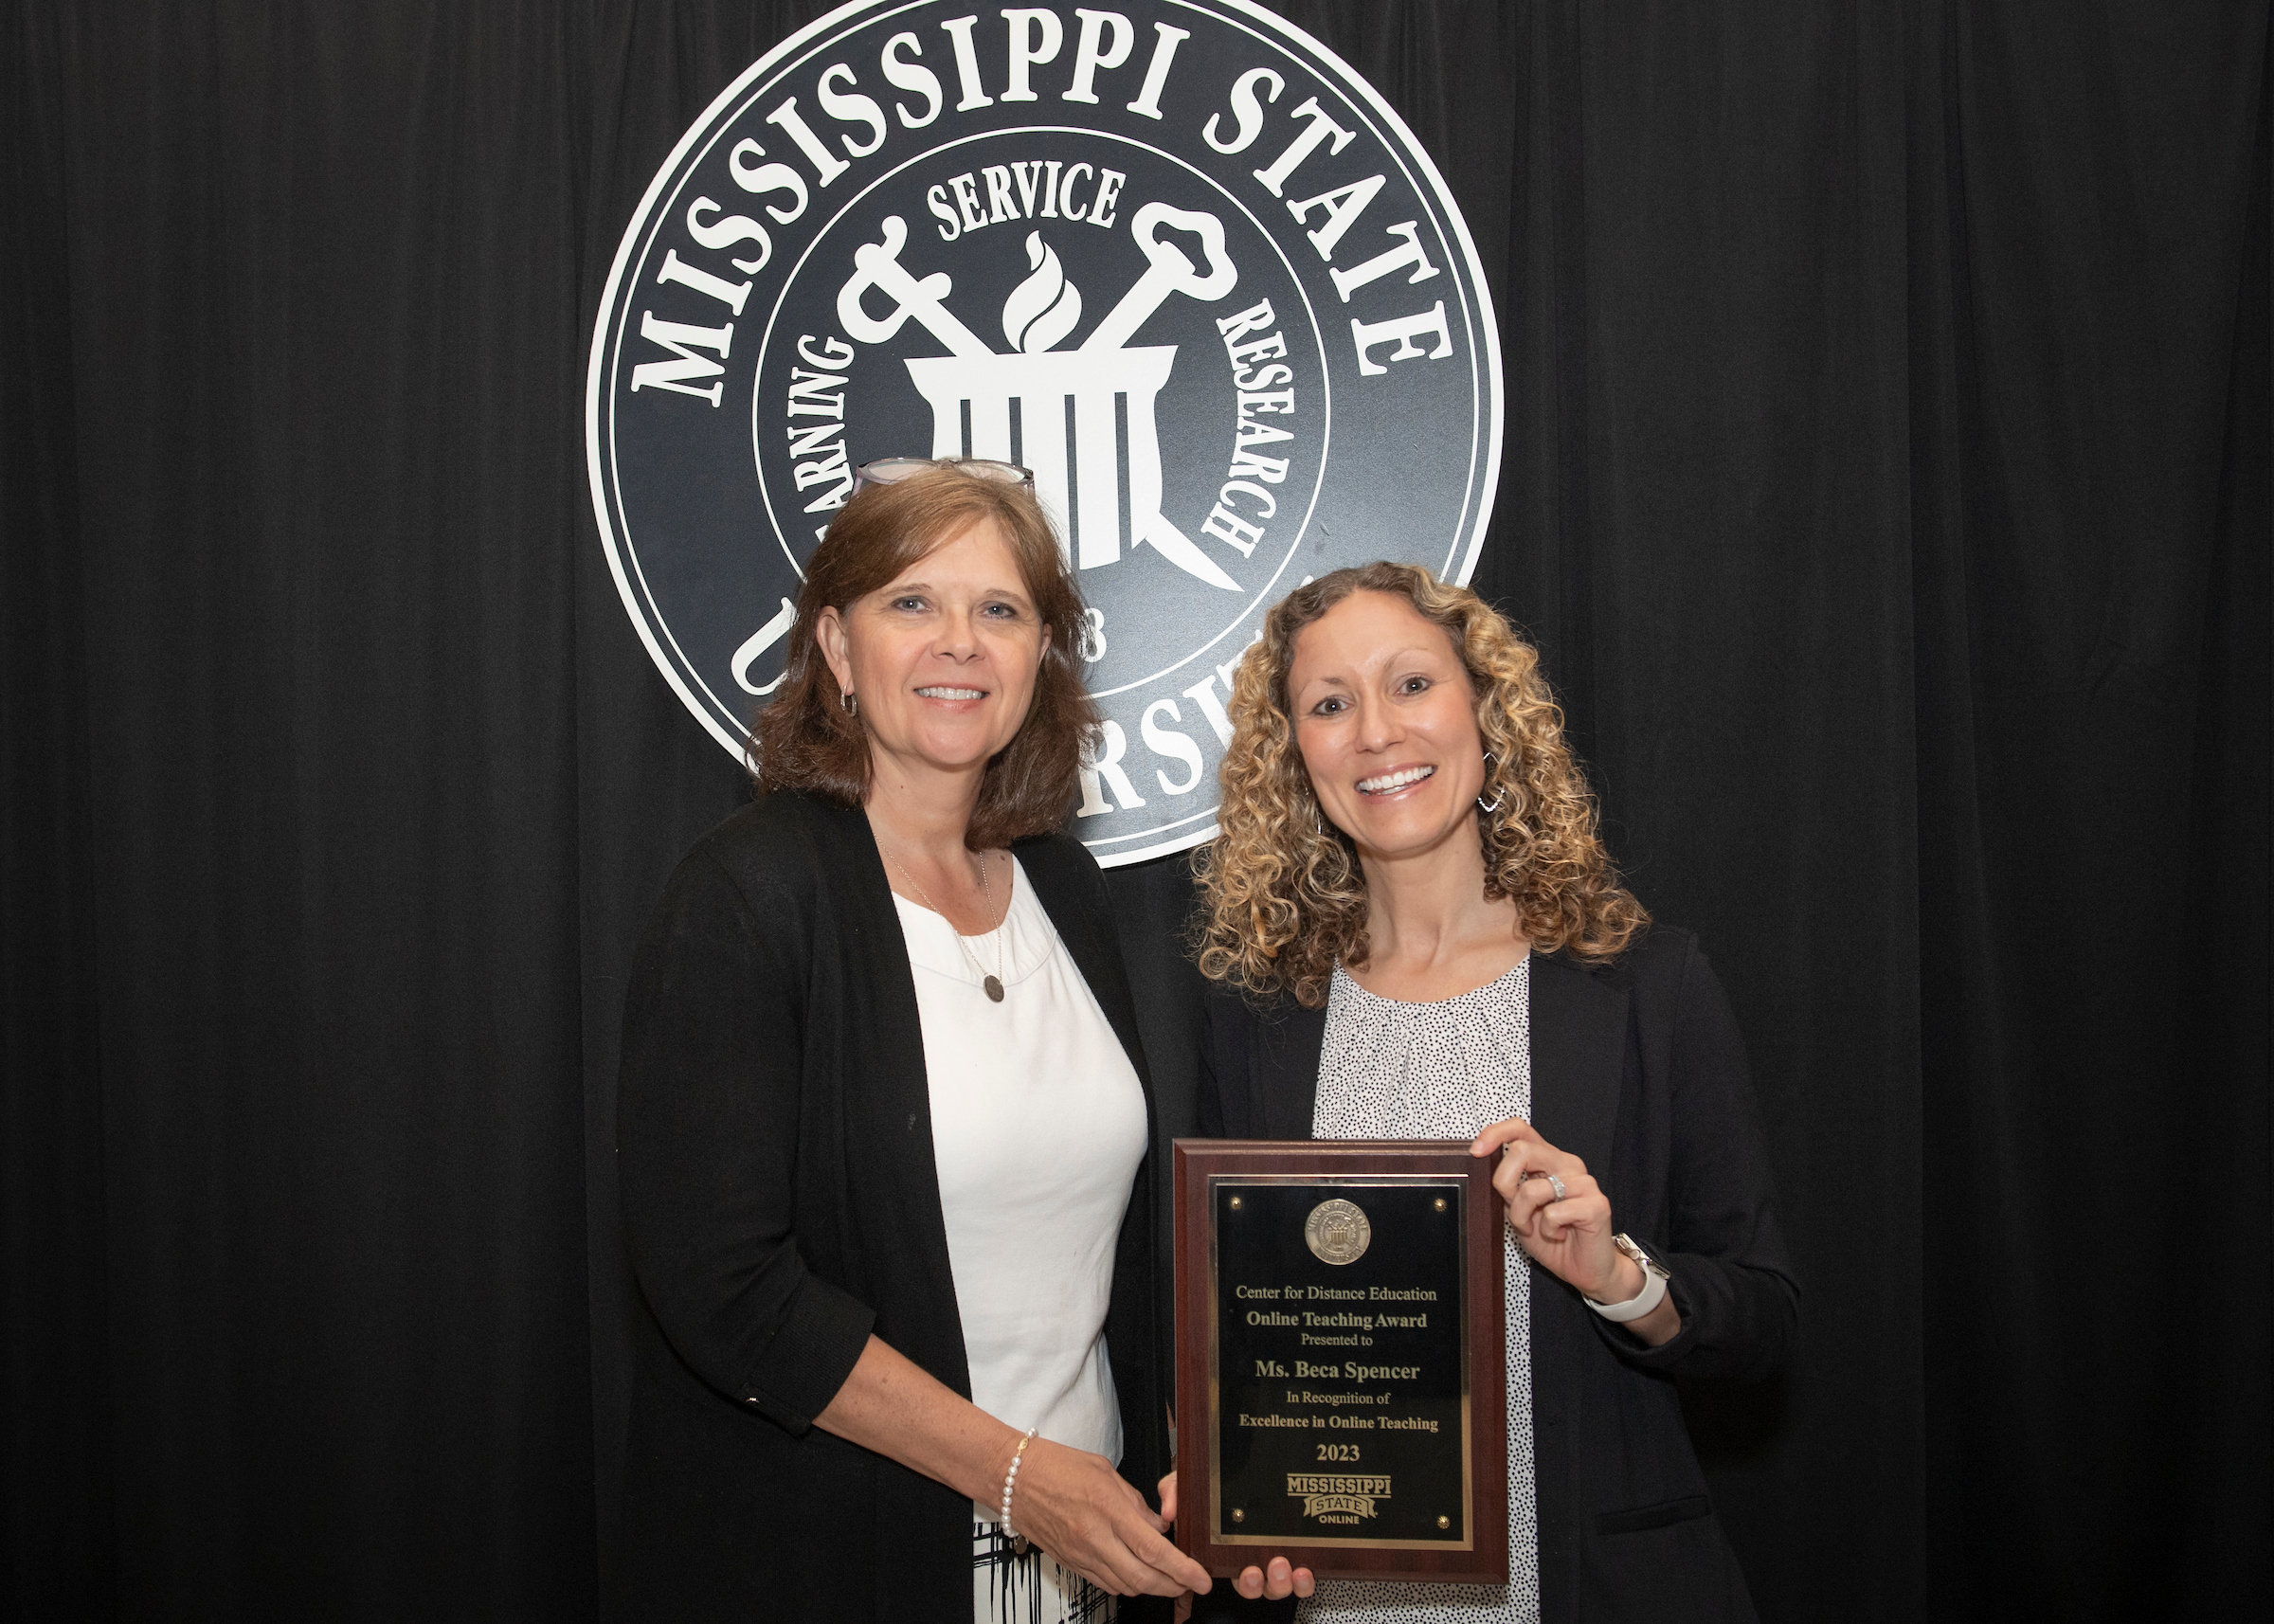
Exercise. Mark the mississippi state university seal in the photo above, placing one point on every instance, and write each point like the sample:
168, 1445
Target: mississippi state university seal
1176, 258
1337, 1232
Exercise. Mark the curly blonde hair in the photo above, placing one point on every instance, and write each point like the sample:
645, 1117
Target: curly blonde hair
1285, 900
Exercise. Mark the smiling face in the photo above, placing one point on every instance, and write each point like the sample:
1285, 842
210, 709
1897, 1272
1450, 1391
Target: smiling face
1386, 720
942, 659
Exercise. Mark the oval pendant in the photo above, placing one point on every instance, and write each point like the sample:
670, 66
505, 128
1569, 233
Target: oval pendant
994, 988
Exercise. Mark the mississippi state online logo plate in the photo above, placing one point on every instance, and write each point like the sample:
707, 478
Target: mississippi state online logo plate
1177, 259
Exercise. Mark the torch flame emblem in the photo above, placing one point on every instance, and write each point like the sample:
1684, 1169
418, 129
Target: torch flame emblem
1045, 307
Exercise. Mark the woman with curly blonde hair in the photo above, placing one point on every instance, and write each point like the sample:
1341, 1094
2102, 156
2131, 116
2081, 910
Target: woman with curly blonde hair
1418, 934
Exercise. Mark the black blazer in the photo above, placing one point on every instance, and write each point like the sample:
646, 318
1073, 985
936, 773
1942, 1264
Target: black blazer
781, 1201
1638, 1070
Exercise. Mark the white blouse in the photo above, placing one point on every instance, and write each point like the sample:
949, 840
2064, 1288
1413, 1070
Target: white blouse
1037, 1124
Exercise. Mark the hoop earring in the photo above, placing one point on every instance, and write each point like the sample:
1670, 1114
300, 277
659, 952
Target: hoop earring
851, 704
1488, 807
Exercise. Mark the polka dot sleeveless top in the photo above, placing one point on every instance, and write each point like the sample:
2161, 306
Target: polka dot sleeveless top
1441, 1071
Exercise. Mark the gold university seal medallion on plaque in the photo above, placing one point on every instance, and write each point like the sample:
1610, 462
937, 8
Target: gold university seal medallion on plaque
1337, 1232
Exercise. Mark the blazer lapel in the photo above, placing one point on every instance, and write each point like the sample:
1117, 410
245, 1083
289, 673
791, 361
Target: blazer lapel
892, 1090
1579, 1064
872, 933
1579, 1057
1283, 1069
1090, 941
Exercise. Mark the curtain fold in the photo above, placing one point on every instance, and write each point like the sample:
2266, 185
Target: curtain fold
57, 1541
2090, 527
315, 275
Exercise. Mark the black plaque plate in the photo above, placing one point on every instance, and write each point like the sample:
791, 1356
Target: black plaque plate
1340, 1359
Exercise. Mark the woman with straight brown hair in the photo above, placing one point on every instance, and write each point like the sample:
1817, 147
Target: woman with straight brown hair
884, 1118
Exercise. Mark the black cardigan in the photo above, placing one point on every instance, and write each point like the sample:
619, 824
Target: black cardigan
1638, 1069
781, 1201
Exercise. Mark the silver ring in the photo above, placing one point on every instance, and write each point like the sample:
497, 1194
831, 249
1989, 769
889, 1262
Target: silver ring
1556, 1184
1553, 1182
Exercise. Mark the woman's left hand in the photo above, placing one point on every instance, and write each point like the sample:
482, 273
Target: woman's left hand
1568, 1234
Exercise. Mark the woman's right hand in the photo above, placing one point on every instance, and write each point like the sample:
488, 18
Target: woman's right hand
1076, 1507
1068, 1501
1275, 1581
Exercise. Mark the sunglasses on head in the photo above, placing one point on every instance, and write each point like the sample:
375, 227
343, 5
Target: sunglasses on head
891, 470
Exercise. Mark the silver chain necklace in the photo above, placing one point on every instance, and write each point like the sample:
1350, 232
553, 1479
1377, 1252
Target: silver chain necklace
992, 982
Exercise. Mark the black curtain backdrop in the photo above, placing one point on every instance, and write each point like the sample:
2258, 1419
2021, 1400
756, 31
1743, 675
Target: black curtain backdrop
1887, 483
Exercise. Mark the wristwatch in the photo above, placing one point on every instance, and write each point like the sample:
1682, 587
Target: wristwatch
1653, 1285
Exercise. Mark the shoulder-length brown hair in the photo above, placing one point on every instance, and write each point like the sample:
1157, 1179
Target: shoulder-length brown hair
1284, 897
808, 740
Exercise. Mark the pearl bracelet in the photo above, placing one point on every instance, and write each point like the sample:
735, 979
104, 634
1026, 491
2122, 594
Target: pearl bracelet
1011, 1481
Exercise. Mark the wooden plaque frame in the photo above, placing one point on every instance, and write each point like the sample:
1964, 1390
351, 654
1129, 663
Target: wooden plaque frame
1200, 1165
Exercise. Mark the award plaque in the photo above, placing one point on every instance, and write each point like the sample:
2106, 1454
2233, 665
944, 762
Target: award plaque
1340, 1396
